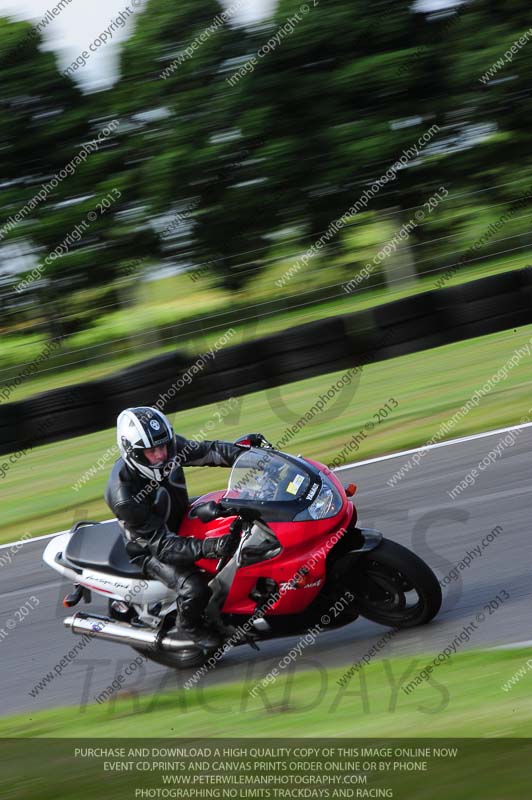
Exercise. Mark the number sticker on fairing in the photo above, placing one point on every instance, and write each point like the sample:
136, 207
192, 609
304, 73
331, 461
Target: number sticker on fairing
294, 485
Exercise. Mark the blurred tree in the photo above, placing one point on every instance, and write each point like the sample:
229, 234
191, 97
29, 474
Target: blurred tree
231, 140
183, 147
491, 92
65, 173
316, 107
41, 114
484, 153
283, 127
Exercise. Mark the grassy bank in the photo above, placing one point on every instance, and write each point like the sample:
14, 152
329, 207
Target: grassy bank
428, 388
170, 300
463, 698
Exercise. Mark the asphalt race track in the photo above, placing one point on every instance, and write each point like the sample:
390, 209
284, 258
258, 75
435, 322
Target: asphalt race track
417, 512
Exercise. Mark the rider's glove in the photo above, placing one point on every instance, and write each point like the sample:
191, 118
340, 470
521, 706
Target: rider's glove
220, 546
136, 551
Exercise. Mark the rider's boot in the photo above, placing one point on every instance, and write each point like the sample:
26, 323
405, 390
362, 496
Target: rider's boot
203, 635
192, 599
193, 595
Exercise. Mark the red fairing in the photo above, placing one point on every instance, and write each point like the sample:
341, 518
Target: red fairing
192, 526
305, 545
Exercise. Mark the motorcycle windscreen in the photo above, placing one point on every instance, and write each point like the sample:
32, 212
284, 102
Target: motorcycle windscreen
285, 487
270, 477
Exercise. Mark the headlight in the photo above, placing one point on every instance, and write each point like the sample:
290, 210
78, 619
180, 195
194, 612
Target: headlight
322, 504
327, 504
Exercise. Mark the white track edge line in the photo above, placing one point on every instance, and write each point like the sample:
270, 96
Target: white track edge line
41, 538
512, 645
448, 442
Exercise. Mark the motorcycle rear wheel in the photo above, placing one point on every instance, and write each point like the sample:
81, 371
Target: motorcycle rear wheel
394, 587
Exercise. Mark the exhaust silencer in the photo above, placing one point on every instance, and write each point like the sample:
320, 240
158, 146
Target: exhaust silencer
121, 632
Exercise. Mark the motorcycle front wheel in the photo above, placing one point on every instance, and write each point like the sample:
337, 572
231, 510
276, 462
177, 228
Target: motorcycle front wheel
393, 586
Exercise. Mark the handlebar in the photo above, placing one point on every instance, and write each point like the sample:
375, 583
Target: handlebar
207, 512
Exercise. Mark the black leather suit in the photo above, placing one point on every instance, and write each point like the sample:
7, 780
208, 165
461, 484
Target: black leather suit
150, 514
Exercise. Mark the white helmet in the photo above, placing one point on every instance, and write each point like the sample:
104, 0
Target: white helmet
138, 429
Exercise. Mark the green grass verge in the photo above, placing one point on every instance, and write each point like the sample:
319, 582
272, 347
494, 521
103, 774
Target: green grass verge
429, 387
463, 698
176, 298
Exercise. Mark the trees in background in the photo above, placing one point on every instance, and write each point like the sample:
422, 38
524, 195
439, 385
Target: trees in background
231, 141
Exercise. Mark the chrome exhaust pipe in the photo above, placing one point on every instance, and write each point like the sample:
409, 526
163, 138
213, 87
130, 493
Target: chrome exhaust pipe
123, 633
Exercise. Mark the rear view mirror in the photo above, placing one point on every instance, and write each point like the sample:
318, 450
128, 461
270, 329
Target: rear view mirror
207, 512
244, 441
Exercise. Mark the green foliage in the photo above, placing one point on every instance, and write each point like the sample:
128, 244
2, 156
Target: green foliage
254, 152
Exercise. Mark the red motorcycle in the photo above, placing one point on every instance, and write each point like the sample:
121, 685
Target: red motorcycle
301, 560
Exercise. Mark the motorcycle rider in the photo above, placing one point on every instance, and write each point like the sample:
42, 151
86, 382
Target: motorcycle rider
147, 493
